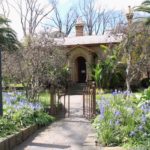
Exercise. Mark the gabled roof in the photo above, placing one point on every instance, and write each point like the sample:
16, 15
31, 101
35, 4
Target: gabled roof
88, 40
80, 46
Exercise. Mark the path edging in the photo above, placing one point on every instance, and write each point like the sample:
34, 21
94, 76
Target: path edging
13, 140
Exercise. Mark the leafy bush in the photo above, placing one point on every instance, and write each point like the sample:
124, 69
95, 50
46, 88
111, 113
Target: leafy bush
122, 122
146, 94
145, 82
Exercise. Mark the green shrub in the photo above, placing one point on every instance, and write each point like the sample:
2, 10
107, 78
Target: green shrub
146, 94
42, 118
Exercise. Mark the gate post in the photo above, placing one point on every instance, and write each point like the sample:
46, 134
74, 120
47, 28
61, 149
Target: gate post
84, 102
94, 98
68, 104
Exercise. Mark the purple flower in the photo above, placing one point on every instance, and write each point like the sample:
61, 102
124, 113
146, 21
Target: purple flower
117, 113
143, 119
132, 133
102, 108
114, 93
117, 122
140, 127
145, 108
127, 93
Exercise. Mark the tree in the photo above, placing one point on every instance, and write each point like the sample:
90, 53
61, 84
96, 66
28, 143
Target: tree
4, 5
8, 41
98, 20
95, 20
31, 13
145, 7
135, 51
64, 24
37, 66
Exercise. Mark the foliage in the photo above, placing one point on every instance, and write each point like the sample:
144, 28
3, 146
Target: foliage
145, 82
8, 38
37, 66
42, 118
146, 95
63, 77
145, 7
19, 113
97, 70
122, 121
107, 73
134, 52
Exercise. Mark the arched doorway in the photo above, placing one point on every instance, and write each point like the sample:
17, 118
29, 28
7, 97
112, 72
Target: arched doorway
81, 69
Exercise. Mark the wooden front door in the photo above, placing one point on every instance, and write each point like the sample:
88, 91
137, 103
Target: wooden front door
81, 65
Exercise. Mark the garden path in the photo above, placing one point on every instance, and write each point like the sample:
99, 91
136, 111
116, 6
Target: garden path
73, 133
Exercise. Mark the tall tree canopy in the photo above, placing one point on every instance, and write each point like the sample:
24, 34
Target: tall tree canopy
8, 41
145, 7
8, 38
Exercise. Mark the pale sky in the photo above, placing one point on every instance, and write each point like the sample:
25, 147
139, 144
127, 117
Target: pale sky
65, 4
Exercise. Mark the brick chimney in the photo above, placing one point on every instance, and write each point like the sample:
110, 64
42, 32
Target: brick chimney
79, 27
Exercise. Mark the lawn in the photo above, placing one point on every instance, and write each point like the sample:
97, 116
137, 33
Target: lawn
44, 98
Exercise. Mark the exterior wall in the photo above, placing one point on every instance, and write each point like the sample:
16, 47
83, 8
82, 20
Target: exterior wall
73, 55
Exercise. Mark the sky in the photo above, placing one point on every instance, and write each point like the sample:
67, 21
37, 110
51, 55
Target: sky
66, 4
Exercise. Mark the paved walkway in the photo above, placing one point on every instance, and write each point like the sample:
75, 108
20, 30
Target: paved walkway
73, 133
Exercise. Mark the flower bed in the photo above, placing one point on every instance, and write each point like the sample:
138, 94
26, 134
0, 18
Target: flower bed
123, 120
11, 141
19, 113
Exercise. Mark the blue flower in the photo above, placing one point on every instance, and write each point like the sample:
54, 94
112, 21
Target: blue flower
143, 119
132, 133
114, 93
117, 122
102, 108
127, 93
140, 127
117, 113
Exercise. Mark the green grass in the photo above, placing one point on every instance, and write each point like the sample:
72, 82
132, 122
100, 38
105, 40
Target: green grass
108, 95
45, 98
15, 85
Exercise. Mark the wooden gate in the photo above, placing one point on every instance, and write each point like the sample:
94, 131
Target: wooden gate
89, 100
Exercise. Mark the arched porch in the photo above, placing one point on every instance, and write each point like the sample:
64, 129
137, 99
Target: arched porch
80, 60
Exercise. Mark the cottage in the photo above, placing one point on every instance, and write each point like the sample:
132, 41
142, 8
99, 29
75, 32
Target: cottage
83, 51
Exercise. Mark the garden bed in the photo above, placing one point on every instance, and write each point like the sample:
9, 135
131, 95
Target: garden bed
124, 120
20, 119
11, 141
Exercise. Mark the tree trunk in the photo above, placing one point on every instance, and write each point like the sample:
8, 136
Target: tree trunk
1, 99
52, 100
128, 73
128, 84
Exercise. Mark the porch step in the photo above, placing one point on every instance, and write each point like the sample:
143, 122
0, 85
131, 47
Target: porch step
77, 89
